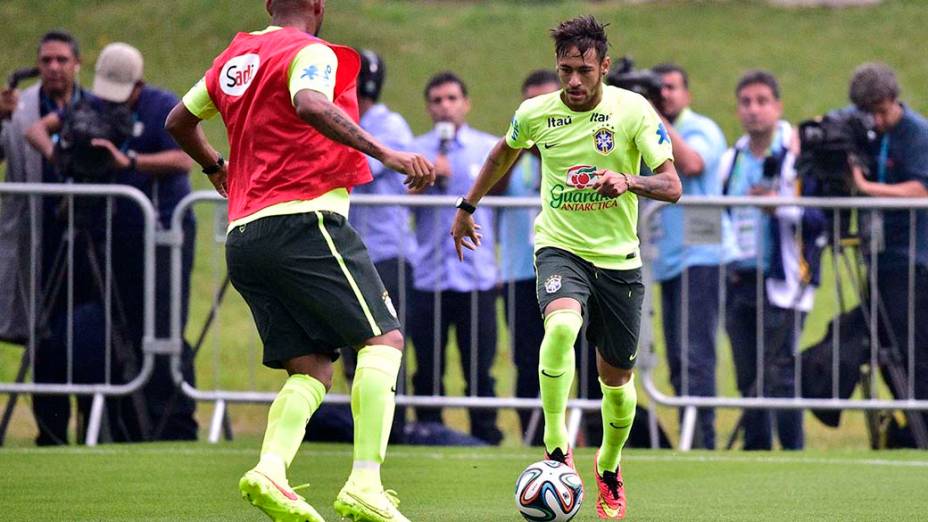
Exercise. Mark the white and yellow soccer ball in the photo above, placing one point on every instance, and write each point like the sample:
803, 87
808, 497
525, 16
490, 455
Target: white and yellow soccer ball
549, 491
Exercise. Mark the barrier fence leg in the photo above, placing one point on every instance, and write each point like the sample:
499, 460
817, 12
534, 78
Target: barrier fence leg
688, 429
573, 426
215, 426
652, 425
533, 424
96, 416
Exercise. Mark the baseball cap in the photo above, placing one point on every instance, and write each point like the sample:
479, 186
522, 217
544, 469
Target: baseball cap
118, 68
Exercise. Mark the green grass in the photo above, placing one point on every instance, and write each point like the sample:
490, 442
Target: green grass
492, 45
198, 482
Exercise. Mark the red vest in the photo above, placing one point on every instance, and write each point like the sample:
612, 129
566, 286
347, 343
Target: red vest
274, 155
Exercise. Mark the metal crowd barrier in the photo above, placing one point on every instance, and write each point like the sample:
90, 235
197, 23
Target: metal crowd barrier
222, 397
33, 194
870, 307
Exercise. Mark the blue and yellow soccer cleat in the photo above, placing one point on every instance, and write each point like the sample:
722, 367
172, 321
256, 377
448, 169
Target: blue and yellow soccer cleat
276, 500
368, 504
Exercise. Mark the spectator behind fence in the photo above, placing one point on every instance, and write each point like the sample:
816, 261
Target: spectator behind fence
58, 62
761, 164
517, 261
149, 160
447, 292
899, 169
698, 144
385, 230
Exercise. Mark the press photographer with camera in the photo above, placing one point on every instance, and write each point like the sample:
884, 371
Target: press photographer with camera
116, 135
898, 167
698, 145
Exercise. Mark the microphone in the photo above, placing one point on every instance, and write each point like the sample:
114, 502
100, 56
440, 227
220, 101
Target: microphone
445, 131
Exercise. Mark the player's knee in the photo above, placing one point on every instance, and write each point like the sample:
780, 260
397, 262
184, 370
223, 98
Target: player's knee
562, 327
614, 377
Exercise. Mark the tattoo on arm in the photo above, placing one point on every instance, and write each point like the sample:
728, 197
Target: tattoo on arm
335, 124
661, 186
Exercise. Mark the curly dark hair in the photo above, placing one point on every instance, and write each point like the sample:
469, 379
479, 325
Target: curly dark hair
584, 33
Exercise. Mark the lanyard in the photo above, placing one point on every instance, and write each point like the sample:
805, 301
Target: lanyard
881, 161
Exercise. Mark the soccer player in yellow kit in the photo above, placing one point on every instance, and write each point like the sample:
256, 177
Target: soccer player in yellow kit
592, 140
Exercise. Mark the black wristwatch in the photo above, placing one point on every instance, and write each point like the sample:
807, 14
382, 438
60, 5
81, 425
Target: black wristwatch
462, 204
216, 167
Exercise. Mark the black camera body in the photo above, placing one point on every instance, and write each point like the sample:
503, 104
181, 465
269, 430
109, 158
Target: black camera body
642, 81
76, 157
828, 144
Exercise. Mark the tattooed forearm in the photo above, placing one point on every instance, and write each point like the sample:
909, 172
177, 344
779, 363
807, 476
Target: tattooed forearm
664, 186
334, 123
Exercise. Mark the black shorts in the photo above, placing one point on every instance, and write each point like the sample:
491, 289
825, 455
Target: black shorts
310, 285
611, 301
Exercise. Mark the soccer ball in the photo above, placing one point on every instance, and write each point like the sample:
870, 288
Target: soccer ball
549, 491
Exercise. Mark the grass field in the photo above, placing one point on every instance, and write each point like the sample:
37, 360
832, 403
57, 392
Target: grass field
198, 482
492, 45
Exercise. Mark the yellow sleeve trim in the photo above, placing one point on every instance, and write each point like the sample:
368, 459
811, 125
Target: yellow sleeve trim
198, 102
313, 68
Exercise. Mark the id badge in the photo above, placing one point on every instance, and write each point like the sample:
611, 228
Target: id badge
744, 222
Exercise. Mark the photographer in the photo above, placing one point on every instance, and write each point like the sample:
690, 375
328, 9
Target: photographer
899, 168
147, 158
698, 144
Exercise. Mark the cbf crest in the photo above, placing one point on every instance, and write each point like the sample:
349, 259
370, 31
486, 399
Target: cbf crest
553, 284
604, 140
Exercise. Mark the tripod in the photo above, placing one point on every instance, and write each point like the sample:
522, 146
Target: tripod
79, 244
846, 252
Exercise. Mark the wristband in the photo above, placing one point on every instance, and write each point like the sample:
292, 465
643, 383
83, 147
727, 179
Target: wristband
464, 205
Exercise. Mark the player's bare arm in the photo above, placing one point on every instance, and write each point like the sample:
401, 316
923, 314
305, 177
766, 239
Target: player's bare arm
663, 185
185, 128
315, 109
498, 162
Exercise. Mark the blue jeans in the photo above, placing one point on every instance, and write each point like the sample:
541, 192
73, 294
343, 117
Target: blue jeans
702, 309
781, 333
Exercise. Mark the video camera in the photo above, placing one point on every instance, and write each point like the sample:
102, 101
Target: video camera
828, 144
75, 156
642, 81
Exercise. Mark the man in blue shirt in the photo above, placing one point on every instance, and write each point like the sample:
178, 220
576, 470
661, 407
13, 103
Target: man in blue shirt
900, 169
447, 292
517, 261
765, 245
698, 144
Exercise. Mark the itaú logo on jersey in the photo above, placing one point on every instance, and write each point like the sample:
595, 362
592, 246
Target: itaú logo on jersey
581, 176
236, 75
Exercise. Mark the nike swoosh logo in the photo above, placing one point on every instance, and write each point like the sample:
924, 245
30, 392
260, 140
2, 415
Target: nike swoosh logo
393, 389
546, 374
634, 355
610, 512
289, 494
374, 509
619, 427
549, 145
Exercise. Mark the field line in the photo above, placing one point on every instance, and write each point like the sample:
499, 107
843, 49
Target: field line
477, 455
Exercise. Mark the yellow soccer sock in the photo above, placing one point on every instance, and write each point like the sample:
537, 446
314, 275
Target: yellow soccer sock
373, 401
296, 402
556, 373
618, 414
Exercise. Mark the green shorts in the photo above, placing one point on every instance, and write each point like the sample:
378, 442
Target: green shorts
310, 284
611, 301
